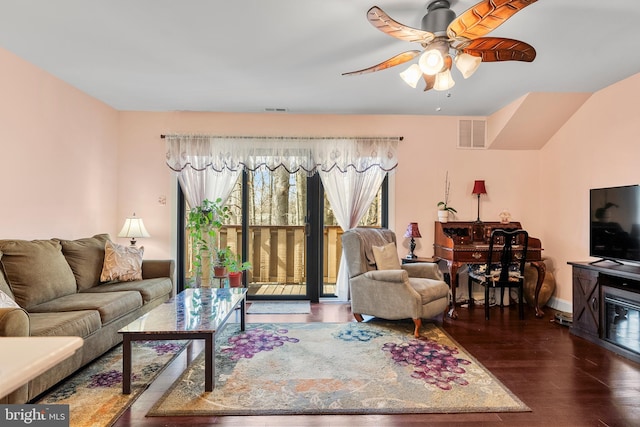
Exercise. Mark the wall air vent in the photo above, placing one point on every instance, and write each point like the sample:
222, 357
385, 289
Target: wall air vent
472, 133
275, 110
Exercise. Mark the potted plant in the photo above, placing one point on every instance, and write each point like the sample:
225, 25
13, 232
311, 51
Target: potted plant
219, 266
203, 224
235, 267
443, 206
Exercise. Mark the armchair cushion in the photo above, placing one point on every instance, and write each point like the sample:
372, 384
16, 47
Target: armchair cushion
386, 257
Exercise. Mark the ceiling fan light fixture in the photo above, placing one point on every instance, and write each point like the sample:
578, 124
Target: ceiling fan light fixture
467, 64
444, 80
431, 62
412, 75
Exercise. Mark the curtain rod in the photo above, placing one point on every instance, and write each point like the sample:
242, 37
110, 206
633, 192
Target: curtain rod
400, 138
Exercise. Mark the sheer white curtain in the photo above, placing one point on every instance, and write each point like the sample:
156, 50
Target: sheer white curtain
351, 168
350, 194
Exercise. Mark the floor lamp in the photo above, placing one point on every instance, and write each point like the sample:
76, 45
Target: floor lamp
478, 189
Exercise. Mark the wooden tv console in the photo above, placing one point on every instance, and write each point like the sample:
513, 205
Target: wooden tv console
603, 293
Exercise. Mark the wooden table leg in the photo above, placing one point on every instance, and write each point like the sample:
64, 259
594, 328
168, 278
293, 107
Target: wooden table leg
209, 362
542, 270
126, 364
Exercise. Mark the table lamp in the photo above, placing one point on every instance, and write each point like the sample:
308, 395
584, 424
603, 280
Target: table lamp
412, 232
133, 227
478, 189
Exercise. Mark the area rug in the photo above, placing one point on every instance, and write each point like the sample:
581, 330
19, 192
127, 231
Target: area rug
338, 368
94, 394
279, 307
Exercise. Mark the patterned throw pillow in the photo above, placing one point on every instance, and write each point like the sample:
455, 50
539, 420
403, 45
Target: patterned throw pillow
121, 263
386, 257
7, 302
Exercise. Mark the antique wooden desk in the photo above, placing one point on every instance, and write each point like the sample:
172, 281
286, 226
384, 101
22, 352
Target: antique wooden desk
467, 242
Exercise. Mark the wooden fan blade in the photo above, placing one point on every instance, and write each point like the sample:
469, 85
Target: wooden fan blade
384, 23
391, 62
484, 17
429, 80
494, 49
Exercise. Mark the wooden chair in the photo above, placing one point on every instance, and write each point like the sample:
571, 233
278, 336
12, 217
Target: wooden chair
504, 267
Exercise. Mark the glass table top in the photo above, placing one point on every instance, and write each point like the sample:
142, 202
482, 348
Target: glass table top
201, 309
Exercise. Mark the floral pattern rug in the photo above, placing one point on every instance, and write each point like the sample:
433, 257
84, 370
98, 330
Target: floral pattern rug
337, 368
94, 393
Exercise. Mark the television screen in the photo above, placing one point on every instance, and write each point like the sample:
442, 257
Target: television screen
615, 223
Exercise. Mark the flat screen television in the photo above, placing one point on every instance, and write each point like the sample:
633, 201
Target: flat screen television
615, 223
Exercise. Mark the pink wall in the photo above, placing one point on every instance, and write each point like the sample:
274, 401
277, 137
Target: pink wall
58, 148
598, 147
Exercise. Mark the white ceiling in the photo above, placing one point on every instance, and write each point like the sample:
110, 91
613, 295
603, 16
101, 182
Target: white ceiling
252, 55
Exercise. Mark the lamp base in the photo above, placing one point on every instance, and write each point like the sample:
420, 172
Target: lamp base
412, 246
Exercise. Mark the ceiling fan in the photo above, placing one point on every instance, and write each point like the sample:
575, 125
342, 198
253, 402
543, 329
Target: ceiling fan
444, 34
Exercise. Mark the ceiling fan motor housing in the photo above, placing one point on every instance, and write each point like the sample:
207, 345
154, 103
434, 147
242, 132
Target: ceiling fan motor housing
438, 17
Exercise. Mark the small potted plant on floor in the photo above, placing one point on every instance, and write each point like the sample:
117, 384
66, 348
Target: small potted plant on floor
235, 267
219, 266
443, 206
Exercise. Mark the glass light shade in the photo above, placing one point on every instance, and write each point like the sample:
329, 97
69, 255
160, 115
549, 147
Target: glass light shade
444, 81
133, 227
412, 75
467, 64
431, 61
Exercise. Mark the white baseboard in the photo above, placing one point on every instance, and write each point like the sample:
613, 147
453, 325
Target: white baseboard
560, 305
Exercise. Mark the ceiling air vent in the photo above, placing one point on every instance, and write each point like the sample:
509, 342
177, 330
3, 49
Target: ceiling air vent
472, 133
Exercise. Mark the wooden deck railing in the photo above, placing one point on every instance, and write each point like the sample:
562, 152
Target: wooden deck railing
278, 253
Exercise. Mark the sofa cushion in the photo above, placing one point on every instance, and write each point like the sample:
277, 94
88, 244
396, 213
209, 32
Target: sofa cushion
85, 257
121, 263
150, 289
36, 271
71, 323
110, 305
386, 257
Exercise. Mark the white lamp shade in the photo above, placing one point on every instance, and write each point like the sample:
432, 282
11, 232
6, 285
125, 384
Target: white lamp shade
133, 227
431, 61
444, 81
467, 64
412, 75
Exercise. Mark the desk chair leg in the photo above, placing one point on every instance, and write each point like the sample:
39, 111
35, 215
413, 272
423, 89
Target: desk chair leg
486, 301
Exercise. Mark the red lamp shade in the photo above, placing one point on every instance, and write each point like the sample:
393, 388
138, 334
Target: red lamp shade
478, 188
412, 230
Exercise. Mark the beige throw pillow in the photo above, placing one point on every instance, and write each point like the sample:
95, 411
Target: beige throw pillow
386, 257
121, 263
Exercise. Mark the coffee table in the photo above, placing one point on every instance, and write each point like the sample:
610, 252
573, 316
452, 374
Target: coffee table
192, 314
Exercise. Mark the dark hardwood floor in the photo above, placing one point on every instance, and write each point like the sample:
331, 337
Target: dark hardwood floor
565, 380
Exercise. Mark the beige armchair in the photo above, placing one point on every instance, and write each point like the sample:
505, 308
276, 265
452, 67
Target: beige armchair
415, 290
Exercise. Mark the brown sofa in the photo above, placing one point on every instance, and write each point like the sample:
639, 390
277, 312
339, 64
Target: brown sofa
56, 284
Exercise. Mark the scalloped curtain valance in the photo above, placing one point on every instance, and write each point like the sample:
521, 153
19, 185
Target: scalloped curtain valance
312, 154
